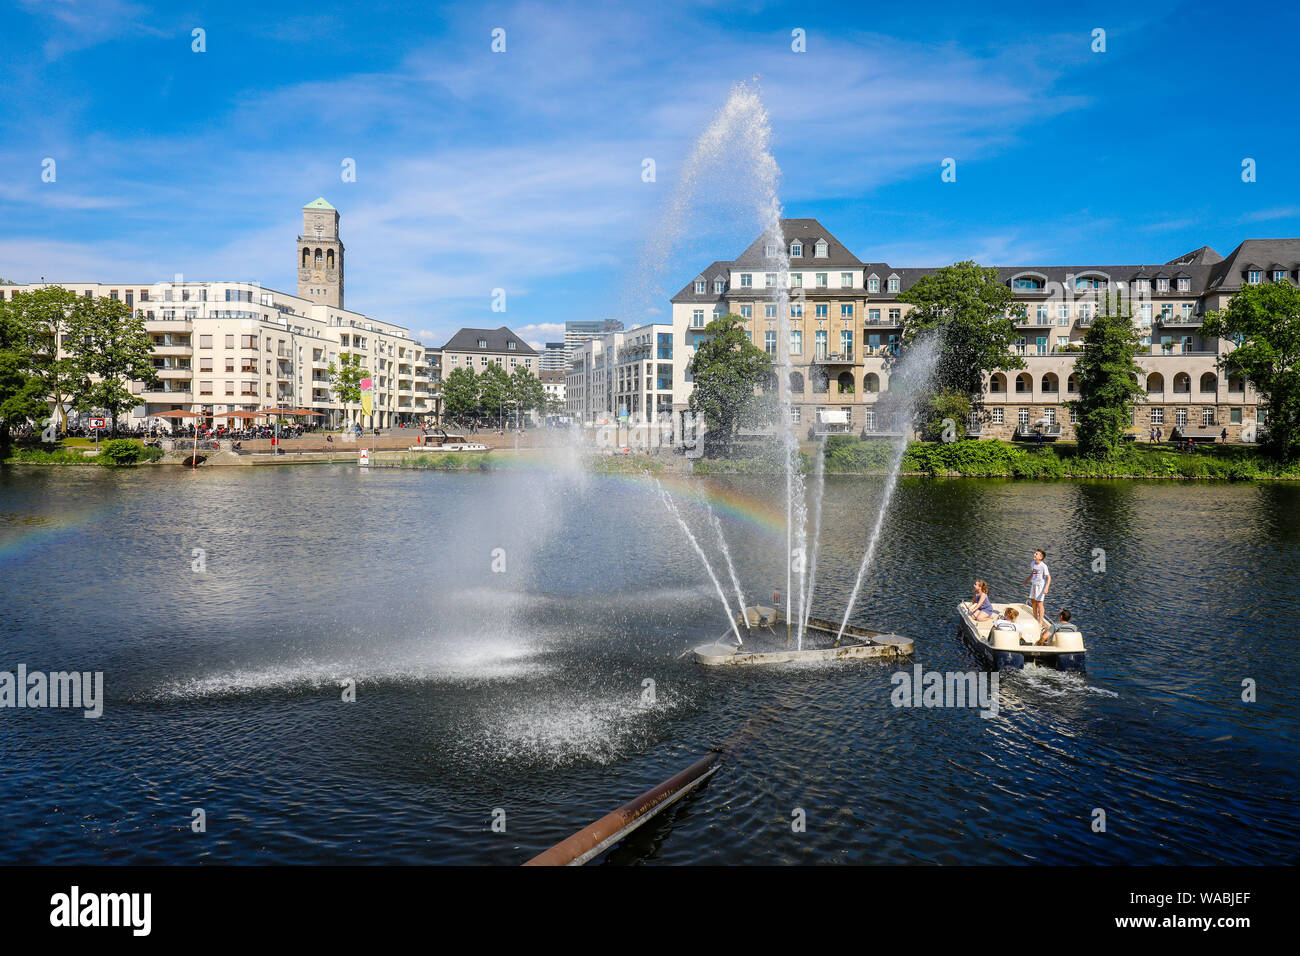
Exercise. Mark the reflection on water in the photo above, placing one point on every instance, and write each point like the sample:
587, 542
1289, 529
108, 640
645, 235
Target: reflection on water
526, 688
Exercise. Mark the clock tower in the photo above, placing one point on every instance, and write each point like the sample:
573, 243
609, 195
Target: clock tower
320, 255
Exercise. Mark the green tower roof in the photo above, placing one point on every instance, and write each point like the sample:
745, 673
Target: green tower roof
318, 203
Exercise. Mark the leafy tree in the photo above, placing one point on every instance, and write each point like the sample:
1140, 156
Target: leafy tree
494, 391
940, 407
526, 392
729, 371
975, 313
345, 378
45, 318
1264, 323
1107, 376
22, 393
112, 349
460, 394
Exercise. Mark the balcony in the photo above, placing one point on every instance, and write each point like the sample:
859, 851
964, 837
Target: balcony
176, 350
1181, 320
174, 372
168, 325
833, 358
166, 394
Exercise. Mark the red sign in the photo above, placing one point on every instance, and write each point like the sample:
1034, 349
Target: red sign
98, 423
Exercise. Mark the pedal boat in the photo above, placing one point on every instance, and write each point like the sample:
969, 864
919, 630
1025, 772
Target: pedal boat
1011, 650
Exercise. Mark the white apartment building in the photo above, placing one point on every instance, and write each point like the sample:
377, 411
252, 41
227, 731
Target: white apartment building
637, 375
222, 347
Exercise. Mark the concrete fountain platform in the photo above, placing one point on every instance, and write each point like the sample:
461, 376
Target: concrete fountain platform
767, 644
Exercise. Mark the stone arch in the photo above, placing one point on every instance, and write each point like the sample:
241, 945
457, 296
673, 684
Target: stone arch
329, 258
1072, 383
821, 382
845, 382
1182, 383
306, 257
997, 382
1209, 382
1155, 383
871, 383
1024, 383
319, 258
1051, 383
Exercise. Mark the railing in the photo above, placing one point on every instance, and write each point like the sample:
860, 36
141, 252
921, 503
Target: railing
833, 358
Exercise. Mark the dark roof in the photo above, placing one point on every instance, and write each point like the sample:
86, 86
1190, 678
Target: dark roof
807, 231
498, 340
1204, 256
1228, 274
689, 294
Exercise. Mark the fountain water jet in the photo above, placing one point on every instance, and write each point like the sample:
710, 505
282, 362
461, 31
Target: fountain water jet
722, 595
907, 382
731, 568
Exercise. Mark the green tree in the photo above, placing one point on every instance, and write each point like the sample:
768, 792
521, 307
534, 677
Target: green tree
460, 394
729, 371
940, 407
45, 318
493, 392
975, 313
22, 393
1107, 376
526, 392
345, 379
111, 347
1263, 321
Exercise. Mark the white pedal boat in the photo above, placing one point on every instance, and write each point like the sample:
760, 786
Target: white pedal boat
1005, 648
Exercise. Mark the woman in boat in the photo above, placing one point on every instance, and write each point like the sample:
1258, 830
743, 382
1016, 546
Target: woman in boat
981, 608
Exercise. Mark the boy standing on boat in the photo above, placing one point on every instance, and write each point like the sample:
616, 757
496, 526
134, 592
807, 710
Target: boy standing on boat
1039, 581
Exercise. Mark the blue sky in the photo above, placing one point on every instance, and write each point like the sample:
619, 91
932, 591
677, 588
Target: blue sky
522, 170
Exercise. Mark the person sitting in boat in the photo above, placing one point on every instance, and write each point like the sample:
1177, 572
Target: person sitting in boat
1062, 624
980, 607
1008, 621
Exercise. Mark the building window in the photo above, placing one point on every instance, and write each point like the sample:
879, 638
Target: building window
1234, 416
718, 286
821, 250
846, 343
796, 280
1180, 417
769, 343
1144, 313
846, 280
769, 250
769, 280
1022, 417
746, 280
893, 283
822, 310
796, 342
1157, 416
999, 416
895, 315
822, 278
796, 310
699, 287
1253, 277
1184, 285
697, 322
769, 311
846, 310
873, 316
205, 342
746, 312
873, 284
796, 248
1162, 285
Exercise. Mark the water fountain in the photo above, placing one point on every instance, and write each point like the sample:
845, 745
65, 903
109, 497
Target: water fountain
736, 149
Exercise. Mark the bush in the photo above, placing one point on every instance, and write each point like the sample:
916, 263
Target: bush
122, 453
48, 456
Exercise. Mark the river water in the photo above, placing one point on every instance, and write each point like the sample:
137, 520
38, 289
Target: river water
500, 629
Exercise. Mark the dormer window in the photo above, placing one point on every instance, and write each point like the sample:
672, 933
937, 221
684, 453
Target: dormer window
893, 283
699, 287
769, 250
482, 343
1026, 284
873, 283
1184, 285
1162, 285
718, 286
1144, 285
796, 249
1278, 275
511, 345
822, 250
1253, 277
